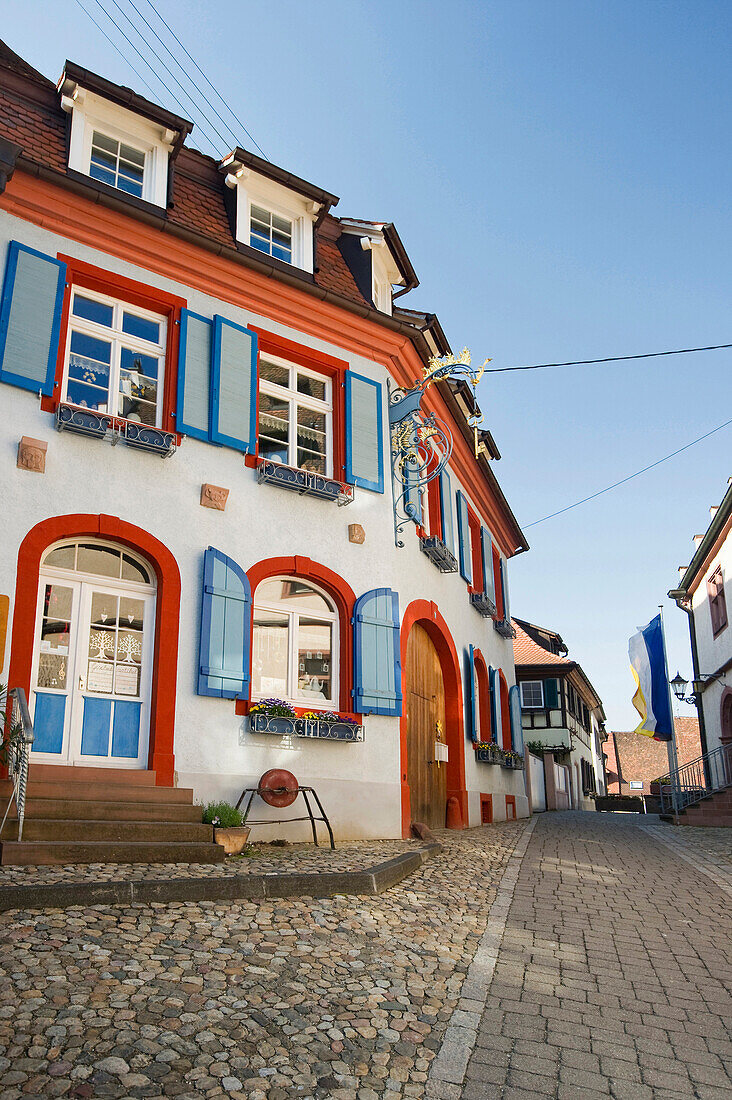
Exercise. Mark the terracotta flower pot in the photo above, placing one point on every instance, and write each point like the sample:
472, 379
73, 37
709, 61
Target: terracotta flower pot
233, 840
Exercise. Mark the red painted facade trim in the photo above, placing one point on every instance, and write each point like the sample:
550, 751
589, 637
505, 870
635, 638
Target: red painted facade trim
318, 361
80, 274
161, 758
484, 695
486, 809
510, 807
427, 614
342, 595
505, 712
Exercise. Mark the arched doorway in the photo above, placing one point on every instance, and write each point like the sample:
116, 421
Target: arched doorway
425, 706
93, 655
726, 717
426, 615
166, 581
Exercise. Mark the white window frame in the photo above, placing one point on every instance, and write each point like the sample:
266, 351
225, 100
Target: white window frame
381, 291
119, 142
255, 190
532, 706
89, 112
295, 399
117, 338
636, 785
285, 607
273, 214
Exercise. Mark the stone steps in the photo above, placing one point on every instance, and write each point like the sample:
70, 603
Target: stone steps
47, 853
714, 811
105, 815
50, 829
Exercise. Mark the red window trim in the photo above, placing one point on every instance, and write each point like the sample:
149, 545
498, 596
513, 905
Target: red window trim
486, 809
81, 274
476, 551
717, 601
272, 344
344, 598
484, 696
505, 711
511, 804
498, 583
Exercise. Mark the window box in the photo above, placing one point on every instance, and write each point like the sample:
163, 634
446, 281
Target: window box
305, 727
512, 760
504, 628
70, 418
489, 754
482, 602
439, 555
304, 482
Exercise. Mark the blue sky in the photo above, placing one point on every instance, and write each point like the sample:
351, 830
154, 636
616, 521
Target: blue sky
559, 173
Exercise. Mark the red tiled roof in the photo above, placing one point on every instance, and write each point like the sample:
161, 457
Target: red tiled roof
36, 122
527, 652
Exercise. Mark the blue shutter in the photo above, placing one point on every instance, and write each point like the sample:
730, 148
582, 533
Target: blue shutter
486, 544
517, 729
223, 665
448, 530
234, 386
377, 662
471, 695
30, 318
466, 561
412, 494
194, 375
364, 432
494, 683
504, 589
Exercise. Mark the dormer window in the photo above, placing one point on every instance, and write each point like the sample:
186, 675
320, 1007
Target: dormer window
119, 165
119, 139
270, 233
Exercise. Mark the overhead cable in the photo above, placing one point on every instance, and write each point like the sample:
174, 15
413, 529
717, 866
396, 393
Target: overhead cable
150, 67
630, 477
202, 73
607, 359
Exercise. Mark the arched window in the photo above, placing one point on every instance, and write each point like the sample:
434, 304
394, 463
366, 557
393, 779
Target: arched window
295, 644
482, 698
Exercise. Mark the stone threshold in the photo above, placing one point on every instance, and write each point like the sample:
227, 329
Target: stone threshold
249, 887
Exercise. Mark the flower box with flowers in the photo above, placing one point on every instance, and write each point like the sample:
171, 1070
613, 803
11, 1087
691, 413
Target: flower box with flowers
513, 760
488, 752
278, 717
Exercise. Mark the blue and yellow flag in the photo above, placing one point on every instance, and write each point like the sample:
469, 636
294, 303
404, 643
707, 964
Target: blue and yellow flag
648, 665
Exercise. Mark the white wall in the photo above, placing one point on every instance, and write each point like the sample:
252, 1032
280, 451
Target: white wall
714, 652
215, 753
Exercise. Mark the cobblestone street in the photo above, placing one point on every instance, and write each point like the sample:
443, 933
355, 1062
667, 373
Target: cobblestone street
615, 969
597, 963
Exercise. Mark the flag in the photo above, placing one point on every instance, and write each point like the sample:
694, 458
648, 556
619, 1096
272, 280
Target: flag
647, 653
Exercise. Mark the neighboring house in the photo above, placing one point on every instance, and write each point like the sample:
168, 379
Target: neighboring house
633, 761
561, 712
194, 362
705, 594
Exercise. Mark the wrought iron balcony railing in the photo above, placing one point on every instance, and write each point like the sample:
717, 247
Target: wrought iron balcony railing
72, 418
482, 602
304, 482
439, 555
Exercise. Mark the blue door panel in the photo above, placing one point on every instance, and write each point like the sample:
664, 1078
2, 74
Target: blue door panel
48, 723
126, 729
95, 727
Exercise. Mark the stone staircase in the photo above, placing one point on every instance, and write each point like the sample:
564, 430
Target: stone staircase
715, 810
104, 815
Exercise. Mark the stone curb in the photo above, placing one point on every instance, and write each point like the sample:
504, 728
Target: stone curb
448, 1069
320, 884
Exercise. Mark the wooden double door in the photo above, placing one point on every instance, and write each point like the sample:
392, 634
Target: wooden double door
425, 699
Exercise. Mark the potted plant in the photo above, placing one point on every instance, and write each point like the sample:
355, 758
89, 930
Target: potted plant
228, 829
271, 716
328, 724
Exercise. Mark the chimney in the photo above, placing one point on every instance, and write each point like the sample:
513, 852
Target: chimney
697, 540
682, 570
713, 510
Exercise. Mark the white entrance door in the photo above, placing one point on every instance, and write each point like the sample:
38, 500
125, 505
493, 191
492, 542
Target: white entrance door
92, 671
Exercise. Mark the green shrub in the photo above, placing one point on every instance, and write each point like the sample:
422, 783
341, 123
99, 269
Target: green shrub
221, 814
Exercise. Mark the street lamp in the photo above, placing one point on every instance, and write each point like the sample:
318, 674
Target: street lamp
679, 685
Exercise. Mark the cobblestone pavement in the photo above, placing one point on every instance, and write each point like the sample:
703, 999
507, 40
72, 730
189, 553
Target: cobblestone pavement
708, 849
614, 973
264, 859
341, 997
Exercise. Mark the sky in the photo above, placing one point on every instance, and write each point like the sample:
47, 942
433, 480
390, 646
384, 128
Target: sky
559, 173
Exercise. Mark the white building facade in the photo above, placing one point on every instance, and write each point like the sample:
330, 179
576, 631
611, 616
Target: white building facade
195, 368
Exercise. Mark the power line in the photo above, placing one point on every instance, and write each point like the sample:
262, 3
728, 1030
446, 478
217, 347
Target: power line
170, 53
114, 46
150, 67
624, 480
202, 73
608, 359
158, 77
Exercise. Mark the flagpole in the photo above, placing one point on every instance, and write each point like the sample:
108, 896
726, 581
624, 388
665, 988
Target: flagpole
673, 760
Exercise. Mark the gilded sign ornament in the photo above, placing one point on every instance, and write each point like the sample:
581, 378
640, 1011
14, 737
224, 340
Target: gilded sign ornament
421, 442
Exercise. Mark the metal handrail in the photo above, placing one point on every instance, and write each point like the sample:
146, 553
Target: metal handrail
19, 744
696, 780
